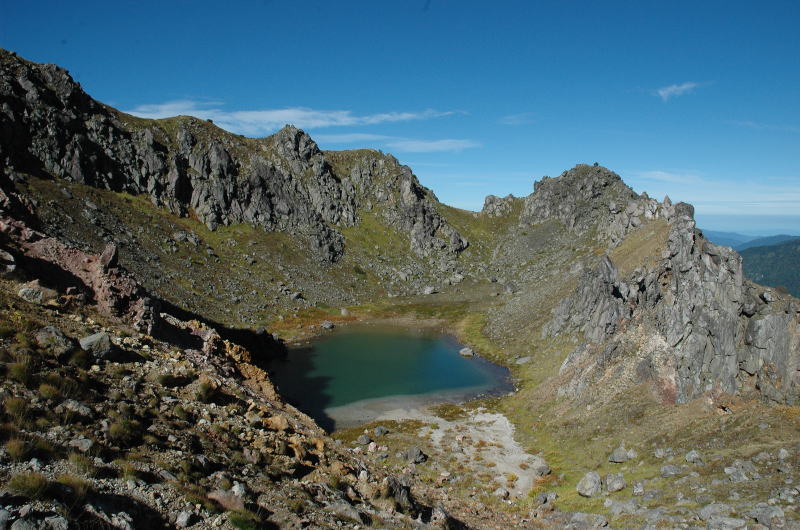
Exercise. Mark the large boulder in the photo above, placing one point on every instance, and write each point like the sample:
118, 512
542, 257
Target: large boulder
589, 485
98, 344
52, 340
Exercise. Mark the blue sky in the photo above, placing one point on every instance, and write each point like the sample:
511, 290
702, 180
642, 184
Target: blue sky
697, 100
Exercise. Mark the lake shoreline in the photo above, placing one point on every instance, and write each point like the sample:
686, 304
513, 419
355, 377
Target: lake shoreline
339, 377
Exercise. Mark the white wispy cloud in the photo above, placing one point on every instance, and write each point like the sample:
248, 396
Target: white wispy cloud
351, 138
760, 126
400, 144
521, 118
669, 176
753, 196
408, 145
672, 91
264, 121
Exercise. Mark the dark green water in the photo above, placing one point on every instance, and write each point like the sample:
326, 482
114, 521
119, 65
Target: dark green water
355, 374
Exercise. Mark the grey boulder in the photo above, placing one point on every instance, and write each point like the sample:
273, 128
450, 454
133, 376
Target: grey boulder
589, 485
99, 345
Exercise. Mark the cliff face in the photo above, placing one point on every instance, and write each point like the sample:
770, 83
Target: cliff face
50, 126
693, 323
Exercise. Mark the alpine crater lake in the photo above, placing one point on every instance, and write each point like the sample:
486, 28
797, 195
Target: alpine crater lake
356, 374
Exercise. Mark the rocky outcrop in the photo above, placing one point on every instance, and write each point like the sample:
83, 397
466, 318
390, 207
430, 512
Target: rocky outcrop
693, 323
592, 198
384, 185
50, 126
95, 279
495, 206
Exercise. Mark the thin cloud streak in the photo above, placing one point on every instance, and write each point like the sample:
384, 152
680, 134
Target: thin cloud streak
758, 126
432, 146
757, 196
259, 122
522, 118
401, 144
671, 91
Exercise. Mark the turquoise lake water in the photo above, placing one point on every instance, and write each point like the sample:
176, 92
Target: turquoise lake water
354, 374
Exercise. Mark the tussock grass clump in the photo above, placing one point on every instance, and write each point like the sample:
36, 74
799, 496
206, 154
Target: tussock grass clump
205, 393
21, 371
16, 408
6, 331
124, 431
17, 449
195, 494
77, 488
244, 520
29, 485
82, 464
42, 448
127, 470
81, 359
49, 391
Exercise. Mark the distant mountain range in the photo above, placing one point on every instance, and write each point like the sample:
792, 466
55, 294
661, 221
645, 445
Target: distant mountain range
741, 242
770, 260
775, 265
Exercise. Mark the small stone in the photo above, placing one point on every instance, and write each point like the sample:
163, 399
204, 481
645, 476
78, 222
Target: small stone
23, 524
588, 520
713, 510
166, 475
184, 519
770, 516
466, 352
327, 324
638, 488
615, 482
722, 522
783, 454
81, 444
344, 510
239, 489
415, 455
380, 430
589, 485
363, 440
31, 294
693, 457
501, 493
51, 339
98, 345
669, 470
227, 500
629, 506
619, 455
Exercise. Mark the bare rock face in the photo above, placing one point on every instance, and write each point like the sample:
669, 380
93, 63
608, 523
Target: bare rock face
693, 324
50, 126
592, 198
97, 277
495, 206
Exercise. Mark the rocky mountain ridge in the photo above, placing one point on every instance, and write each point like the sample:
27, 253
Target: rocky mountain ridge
280, 183
707, 326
